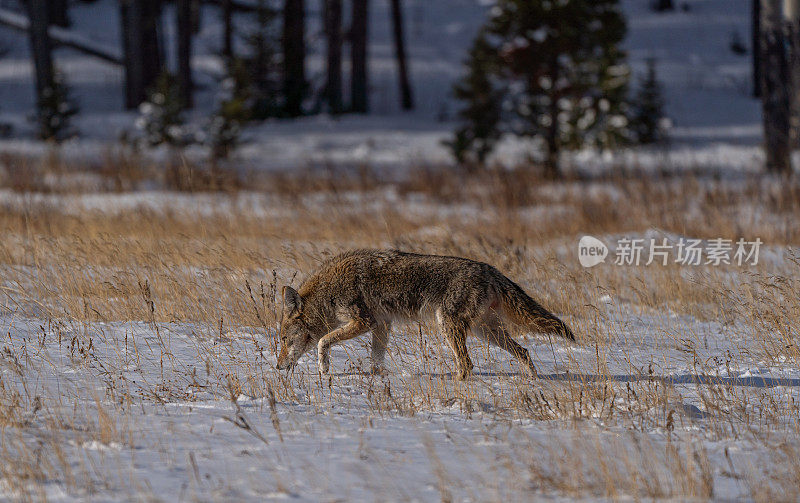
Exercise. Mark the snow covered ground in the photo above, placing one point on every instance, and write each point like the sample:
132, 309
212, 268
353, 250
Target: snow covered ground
707, 89
135, 410
138, 363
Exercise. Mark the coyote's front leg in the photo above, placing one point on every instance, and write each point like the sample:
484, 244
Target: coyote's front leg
380, 338
352, 329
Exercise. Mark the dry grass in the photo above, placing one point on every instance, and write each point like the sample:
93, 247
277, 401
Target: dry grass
216, 264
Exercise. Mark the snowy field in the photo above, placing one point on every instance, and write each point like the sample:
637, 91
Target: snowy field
139, 343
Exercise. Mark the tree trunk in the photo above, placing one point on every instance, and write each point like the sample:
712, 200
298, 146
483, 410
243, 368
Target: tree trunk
41, 49
359, 101
775, 87
294, 55
227, 34
552, 169
755, 42
57, 13
140, 41
197, 15
183, 18
131, 75
662, 5
406, 100
792, 30
333, 30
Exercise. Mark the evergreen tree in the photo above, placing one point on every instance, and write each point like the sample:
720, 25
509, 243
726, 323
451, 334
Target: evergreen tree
161, 119
233, 110
480, 117
563, 72
54, 110
648, 123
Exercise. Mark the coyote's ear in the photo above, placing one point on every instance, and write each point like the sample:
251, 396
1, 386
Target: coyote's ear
292, 303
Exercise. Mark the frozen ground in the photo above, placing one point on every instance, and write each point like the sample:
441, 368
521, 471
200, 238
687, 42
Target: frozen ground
142, 410
707, 88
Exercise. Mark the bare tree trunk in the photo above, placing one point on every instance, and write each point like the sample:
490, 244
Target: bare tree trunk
57, 13
792, 30
197, 14
406, 99
333, 31
41, 49
227, 37
551, 166
131, 75
775, 87
359, 101
294, 55
662, 5
183, 18
755, 42
140, 41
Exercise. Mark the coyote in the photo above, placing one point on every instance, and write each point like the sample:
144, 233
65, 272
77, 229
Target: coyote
366, 290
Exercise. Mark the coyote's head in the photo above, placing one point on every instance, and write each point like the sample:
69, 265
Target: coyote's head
296, 336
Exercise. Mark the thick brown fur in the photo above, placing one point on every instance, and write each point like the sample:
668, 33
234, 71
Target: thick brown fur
367, 290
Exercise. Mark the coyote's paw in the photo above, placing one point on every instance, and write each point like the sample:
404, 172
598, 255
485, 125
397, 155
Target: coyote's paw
323, 357
324, 363
463, 374
379, 370
464, 369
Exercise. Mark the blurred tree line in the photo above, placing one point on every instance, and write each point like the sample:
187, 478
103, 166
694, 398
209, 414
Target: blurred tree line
265, 66
552, 71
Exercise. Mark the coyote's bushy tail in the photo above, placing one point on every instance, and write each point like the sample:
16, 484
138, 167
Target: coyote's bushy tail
521, 309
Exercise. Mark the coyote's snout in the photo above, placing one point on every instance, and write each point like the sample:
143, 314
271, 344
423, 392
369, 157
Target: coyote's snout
366, 290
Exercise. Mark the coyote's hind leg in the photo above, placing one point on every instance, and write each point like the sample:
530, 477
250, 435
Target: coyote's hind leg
455, 332
493, 331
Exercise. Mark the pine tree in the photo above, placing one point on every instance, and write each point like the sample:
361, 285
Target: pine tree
563, 72
233, 110
161, 116
647, 118
54, 110
480, 117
